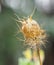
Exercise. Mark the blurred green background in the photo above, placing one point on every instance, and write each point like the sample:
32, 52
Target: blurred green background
10, 47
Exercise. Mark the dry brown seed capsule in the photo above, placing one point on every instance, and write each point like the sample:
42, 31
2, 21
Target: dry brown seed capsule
32, 32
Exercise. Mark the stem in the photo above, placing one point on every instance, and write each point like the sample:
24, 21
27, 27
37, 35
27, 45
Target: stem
38, 52
33, 56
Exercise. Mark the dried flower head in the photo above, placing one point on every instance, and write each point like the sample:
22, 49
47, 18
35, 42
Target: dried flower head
33, 33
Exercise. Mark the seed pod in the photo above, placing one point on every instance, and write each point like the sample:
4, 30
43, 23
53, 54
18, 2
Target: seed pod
34, 35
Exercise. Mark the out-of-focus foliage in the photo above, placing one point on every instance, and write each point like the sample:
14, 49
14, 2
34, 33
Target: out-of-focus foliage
28, 56
9, 44
23, 61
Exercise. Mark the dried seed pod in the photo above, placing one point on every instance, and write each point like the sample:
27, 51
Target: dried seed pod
33, 33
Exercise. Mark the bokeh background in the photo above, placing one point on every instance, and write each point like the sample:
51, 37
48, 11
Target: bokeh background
10, 47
